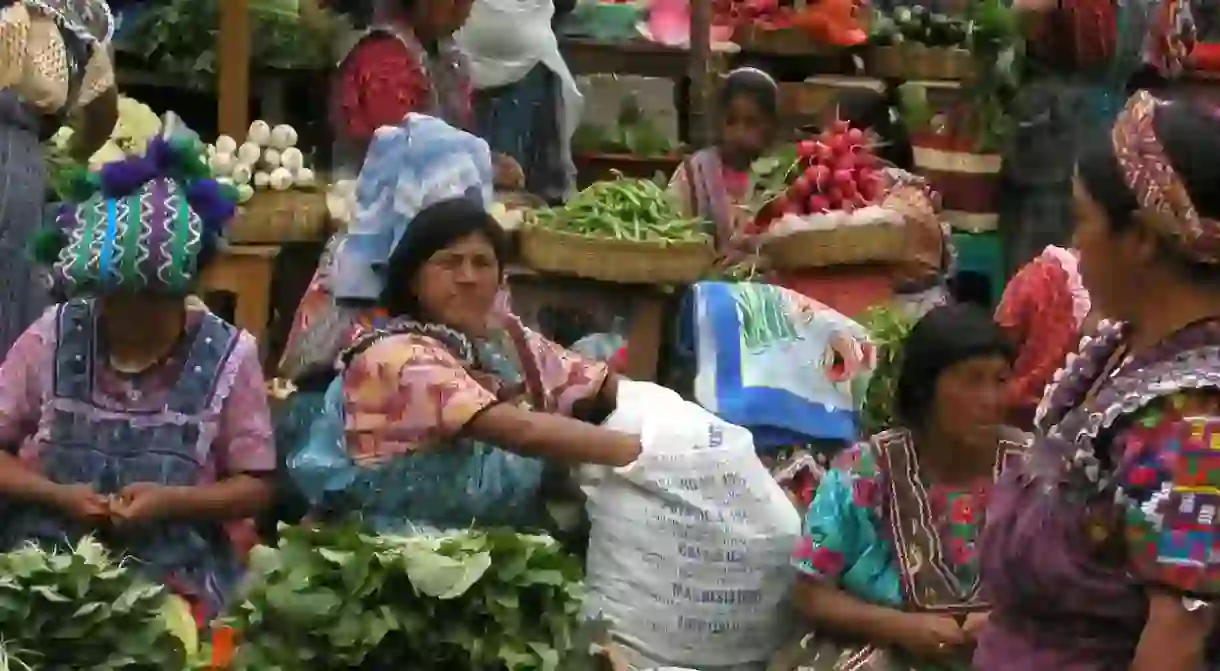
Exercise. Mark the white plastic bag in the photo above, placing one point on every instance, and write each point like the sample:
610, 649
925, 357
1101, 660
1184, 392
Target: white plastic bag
689, 547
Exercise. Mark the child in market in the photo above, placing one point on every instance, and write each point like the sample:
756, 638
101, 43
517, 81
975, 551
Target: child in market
715, 181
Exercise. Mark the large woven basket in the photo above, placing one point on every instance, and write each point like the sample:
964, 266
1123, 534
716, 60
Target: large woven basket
845, 245
273, 217
618, 261
917, 61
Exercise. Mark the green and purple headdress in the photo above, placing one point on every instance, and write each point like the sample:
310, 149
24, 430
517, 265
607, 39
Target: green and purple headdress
142, 224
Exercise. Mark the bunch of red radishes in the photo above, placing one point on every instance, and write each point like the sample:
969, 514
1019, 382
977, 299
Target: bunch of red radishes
837, 171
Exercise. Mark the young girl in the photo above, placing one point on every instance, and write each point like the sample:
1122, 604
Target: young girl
715, 181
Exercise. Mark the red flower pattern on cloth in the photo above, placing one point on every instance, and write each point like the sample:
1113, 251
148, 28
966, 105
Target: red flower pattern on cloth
1169, 488
1038, 312
379, 82
409, 393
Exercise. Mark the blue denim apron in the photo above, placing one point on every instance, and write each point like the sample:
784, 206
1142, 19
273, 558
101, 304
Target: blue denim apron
110, 450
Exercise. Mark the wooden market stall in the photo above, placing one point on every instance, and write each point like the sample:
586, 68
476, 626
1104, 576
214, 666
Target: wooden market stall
270, 220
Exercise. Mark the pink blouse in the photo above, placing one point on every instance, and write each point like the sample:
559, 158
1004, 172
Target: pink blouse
243, 444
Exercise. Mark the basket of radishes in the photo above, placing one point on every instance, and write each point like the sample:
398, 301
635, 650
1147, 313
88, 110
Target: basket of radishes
828, 213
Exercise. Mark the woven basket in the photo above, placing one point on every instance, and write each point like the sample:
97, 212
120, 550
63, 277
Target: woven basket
756, 39
618, 261
916, 61
273, 217
845, 245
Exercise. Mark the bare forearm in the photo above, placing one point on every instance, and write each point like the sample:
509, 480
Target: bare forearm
233, 498
836, 610
555, 437
98, 122
18, 482
1174, 638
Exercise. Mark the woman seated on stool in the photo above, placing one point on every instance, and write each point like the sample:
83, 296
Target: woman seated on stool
130, 414
888, 565
447, 409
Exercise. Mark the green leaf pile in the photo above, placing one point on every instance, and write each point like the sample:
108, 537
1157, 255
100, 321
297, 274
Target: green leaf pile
82, 611
336, 598
887, 329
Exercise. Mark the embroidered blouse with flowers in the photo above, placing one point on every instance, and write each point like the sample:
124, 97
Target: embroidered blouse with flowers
869, 498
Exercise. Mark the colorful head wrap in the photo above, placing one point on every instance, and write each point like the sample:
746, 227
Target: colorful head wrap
421, 161
1162, 197
139, 224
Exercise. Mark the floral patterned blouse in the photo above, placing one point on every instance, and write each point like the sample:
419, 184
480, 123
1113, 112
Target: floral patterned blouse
408, 392
243, 443
849, 539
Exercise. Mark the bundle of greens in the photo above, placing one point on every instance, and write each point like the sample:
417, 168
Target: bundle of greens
887, 329
84, 611
637, 210
336, 598
633, 134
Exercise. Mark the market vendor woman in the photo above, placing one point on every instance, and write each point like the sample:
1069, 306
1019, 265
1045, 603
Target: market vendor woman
128, 413
405, 62
446, 409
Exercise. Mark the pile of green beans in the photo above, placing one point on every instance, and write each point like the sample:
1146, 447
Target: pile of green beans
636, 210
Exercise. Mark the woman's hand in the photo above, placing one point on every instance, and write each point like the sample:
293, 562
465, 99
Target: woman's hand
80, 503
974, 624
930, 636
508, 174
143, 502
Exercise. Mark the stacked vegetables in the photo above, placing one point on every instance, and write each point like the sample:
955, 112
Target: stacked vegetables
636, 210
268, 159
82, 609
333, 597
837, 171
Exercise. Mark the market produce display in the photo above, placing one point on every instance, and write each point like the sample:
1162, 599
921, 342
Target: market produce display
919, 25
633, 134
137, 123
268, 159
85, 610
635, 210
836, 171
887, 329
332, 597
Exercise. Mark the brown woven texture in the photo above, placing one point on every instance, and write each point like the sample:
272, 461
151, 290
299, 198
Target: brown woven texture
619, 261
916, 61
272, 217
871, 243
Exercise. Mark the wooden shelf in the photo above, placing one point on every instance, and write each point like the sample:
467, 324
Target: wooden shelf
636, 57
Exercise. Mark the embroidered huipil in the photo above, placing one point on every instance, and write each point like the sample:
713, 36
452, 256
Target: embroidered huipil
878, 531
1119, 495
389, 443
199, 416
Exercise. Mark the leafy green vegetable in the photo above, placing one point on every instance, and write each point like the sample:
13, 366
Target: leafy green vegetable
178, 37
81, 610
638, 210
887, 328
336, 598
633, 134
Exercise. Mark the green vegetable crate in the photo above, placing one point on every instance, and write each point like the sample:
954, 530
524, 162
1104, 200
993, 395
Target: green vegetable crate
624, 230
